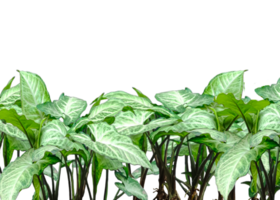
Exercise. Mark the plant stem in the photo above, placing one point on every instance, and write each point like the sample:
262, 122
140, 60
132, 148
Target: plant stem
261, 181
207, 177
53, 191
72, 180
68, 176
116, 194
238, 189
42, 188
268, 181
106, 185
57, 183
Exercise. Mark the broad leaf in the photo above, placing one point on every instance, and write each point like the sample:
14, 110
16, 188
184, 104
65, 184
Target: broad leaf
8, 86
271, 92
12, 130
18, 174
236, 162
33, 92
242, 109
109, 142
54, 134
215, 145
178, 100
20, 121
100, 112
10, 96
270, 118
155, 171
130, 186
70, 108
128, 123
228, 82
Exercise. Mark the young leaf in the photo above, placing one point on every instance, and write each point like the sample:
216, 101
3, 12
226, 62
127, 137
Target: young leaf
8, 86
240, 108
140, 94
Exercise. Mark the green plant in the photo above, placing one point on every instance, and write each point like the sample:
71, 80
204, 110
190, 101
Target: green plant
218, 133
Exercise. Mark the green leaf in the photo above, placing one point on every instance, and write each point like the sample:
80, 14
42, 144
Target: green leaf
140, 94
99, 113
54, 134
7, 86
270, 118
217, 135
18, 144
236, 162
130, 100
20, 121
269, 92
39, 153
179, 99
33, 92
215, 145
18, 174
240, 108
232, 138
130, 186
109, 142
228, 82
155, 171
12, 130
7, 151
70, 108
47, 171
128, 123
257, 138
10, 95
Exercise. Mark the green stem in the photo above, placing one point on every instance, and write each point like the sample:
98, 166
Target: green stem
120, 195
238, 189
268, 181
42, 188
93, 174
57, 183
79, 171
116, 194
275, 168
4, 151
68, 176
53, 191
261, 181
207, 177
72, 181
106, 185
48, 187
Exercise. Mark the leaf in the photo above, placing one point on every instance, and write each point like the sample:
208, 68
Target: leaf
70, 108
232, 138
270, 118
109, 143
18, 174
54, 134
257, 138
228, 82
33, 92
155, 171
128, 123
236, 162
217, 135
20, 121
240, 108
18, 144
179, 99
10, 96
215, 145
130, 186
7, 151
140, 94
39, 153
129, 99
8, 86
269, 92
98, 113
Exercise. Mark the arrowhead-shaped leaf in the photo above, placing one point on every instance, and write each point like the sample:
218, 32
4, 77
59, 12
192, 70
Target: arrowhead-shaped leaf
271, 92
109, 142
18, 174
10, 96
270, 118
8, 86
